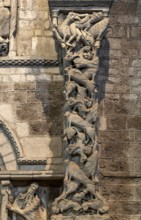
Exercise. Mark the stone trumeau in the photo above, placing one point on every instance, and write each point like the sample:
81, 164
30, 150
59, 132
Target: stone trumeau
80, 29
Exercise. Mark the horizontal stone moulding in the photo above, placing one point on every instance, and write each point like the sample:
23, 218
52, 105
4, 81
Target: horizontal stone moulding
28, 62
83, 5
27, 161
30, 175
81, 217
117, 174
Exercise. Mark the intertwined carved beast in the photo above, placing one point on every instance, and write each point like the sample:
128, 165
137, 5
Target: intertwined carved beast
81, 35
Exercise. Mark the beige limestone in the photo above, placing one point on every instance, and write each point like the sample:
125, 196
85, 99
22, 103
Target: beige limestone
6, 112
4, 21
43, 146
22, 129
102, 123
91, 217
40, 43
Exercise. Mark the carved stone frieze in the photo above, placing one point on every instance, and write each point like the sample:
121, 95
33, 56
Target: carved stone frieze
80, 36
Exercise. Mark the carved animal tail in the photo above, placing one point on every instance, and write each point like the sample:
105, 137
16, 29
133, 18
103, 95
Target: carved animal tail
57, 36
91, 88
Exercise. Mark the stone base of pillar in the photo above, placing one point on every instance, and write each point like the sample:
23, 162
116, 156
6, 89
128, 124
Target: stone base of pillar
81, 217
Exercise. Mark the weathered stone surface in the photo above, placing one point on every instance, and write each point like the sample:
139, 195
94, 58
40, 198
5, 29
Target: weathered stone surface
40, 43
102, 123
88, 217
122, 192
81, 217
134, 122
61, 217
4, 22
126, 208
138, 192
6, 112
25, 111
42, 146
81, 112
32, 200
31, 101
23, 129
121, 166
116, 122
7, 3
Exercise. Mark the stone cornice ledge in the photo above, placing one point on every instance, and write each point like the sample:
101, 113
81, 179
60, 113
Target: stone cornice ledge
5, 62
83, 5
29, 175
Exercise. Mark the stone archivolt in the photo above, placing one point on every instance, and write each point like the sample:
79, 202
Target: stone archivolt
80, 36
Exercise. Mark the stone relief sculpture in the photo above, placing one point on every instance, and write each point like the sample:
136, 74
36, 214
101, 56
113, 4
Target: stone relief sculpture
7, 30
80, 36
27, 205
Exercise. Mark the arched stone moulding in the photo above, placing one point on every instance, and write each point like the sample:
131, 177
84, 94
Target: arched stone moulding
79, 28
9, 144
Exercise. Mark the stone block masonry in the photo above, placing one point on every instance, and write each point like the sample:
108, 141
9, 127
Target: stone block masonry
120, 106
31, 99
34, 36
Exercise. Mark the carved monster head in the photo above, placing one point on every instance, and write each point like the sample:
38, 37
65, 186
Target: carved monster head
73, 16
3, 49
87, 53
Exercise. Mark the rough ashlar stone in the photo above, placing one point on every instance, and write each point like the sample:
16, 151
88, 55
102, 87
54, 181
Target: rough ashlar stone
31, 78
6, 112
81, 217
22, 129
9, 158
25, 4
58, 217
5, 147
40, 5
7, 3
134, 122
62, 217
24, 47
29, 15
1, 4
89, 217
44, 146
38, 47
102, 123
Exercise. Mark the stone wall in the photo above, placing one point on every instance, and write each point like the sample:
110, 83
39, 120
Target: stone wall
34, 36
120, 111
31, 101
31, 97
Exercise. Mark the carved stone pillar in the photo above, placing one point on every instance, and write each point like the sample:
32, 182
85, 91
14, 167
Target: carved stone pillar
80, 32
